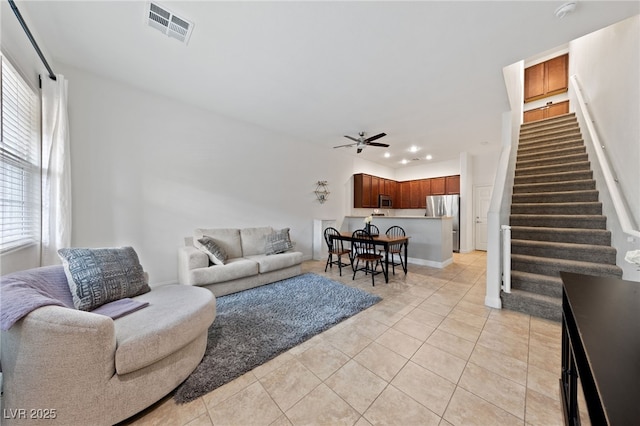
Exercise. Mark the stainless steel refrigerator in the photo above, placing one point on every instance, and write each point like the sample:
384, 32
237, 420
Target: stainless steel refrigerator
446, 205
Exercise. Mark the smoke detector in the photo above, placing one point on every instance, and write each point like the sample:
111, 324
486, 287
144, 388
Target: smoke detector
565, 9
165, 21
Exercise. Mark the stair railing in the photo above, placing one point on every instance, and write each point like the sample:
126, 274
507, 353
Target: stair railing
619, 203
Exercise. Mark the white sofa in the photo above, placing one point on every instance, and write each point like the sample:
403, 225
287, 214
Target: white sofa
248, 264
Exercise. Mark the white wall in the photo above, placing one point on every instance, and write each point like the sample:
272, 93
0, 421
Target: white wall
147, 170
607, 63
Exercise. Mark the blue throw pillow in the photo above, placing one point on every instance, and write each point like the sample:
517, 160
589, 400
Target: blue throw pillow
102, 275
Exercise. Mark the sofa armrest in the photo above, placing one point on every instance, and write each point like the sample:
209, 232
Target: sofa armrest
190, 258
58, 358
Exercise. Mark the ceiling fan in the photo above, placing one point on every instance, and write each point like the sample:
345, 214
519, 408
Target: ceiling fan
361, 142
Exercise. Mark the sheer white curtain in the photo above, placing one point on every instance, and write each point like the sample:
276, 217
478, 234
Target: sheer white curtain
56, 170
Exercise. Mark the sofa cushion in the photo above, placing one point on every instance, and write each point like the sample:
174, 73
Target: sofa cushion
216, 253
228, 239
278, 242
268, 263
175, 316
254, 240
232, 270
102, 275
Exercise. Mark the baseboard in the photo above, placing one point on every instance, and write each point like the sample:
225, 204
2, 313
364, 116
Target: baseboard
431, 263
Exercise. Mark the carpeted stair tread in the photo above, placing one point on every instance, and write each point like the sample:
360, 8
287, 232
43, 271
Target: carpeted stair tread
553, 168
558, 119
527, 128
552, 267
554, 177
572, 185
546, 154
562, 250
533, 304
559, 220
544, 140
555, 197
548, 145
536, 283
588, 208
553, 160
562, 235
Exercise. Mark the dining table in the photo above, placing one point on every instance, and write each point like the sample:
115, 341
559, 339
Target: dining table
382, 240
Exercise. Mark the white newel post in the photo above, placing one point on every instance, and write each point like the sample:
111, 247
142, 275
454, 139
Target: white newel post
506, 258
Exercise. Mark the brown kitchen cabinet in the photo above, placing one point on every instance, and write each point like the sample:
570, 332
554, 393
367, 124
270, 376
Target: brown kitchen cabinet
547, 111
452, 184
404, 190
361, 190
546, 78
410, 194
438, 186
425, 191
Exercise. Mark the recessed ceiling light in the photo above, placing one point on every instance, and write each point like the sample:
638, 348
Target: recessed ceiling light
413, 148
429, 157
404, 161
387, 155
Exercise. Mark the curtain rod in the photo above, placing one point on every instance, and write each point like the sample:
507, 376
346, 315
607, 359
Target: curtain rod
52, 76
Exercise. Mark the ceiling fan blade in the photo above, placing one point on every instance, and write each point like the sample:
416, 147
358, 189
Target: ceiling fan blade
373, 138
385, 145
345, 146
353, 139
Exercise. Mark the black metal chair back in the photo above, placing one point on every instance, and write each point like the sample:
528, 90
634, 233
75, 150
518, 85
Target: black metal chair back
336, 248
365, 251
396, 231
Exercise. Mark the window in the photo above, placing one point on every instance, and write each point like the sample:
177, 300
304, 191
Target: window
20, 161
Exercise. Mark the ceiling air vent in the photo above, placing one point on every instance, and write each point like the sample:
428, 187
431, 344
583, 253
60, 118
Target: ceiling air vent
162, 19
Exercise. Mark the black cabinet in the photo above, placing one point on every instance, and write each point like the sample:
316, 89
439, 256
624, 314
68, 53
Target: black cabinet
601, 347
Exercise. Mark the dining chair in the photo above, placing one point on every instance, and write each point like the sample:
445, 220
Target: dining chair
365, 251
396, 231
336, 248
373, 229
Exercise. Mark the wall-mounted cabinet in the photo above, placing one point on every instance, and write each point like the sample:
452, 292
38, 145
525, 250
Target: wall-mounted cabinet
438, 186
546, 78
410, 194
547, 111
452, 184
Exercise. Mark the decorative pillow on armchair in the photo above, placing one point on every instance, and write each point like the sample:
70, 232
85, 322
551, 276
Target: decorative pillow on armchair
278, 242
102, 275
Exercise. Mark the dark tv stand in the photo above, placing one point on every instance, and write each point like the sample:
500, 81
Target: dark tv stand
601, 346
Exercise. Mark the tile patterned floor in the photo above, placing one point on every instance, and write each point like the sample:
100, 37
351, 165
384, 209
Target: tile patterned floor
431, 353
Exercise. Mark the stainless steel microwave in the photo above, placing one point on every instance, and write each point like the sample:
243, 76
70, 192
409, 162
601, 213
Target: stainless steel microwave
384, 202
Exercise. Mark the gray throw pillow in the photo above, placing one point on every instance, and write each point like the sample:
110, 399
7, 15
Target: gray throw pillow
102, 275
216, 253
278, 242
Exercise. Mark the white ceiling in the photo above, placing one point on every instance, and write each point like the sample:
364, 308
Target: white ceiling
428, 74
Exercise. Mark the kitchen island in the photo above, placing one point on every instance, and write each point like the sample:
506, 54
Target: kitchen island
430, 242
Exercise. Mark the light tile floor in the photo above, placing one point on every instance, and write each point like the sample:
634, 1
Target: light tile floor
430, 353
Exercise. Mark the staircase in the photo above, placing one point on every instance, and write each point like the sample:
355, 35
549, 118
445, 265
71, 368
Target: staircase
556, 219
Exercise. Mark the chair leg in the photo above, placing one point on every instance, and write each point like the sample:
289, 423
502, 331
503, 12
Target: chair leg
329, 260
355, 269
393, 263
340, 264
373, 275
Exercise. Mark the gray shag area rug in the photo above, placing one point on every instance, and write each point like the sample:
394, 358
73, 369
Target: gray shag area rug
254, 326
